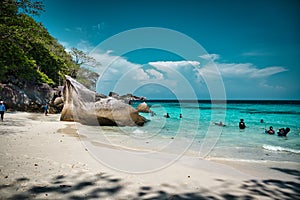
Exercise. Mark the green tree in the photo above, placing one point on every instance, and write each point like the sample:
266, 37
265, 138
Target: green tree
84, 75
28, 53
88, 78
31, 7
80, 58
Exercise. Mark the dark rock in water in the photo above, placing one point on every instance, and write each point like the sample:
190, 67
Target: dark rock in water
29, 98
143, 107
87, 107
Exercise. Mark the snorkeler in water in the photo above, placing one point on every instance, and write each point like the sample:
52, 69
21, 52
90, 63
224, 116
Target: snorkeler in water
219, 124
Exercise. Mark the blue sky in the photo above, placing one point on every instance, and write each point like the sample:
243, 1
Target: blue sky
247, 49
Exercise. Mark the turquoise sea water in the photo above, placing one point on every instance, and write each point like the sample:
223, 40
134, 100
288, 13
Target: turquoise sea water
196, 131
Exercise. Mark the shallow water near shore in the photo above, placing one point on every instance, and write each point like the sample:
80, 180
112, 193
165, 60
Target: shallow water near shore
195, 133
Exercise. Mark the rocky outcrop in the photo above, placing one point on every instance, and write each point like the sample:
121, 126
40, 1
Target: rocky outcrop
127, 98
88, 107
143, 107
57, 102
29, 98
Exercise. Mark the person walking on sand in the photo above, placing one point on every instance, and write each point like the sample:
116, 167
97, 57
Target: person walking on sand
242, 124
2, 110
46, 109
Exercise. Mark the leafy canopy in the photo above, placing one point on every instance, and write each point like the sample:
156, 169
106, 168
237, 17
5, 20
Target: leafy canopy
28, 53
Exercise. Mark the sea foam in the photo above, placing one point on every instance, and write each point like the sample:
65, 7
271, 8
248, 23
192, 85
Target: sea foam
278, 148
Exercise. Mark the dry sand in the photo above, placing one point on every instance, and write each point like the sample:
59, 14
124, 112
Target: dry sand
43, 158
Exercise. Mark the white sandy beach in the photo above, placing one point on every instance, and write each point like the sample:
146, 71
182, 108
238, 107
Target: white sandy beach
43, 158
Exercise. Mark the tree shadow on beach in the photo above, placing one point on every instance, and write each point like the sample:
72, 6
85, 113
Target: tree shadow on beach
291, 172
8, 123
79, 186
105, 186
7, 126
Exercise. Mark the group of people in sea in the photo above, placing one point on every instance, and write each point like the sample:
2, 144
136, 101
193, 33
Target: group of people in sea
281, 132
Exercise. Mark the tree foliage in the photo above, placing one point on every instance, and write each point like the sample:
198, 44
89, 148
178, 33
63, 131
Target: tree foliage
28, 53
84, 75
12, 7
87, 77
31, 7
80, 58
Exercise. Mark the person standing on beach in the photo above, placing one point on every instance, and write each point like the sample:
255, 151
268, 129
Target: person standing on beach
242, 124
46, 109
2, 110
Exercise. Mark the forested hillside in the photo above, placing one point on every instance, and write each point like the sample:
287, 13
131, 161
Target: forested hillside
28, 53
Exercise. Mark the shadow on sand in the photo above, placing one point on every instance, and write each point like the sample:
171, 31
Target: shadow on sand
8, 127
105, 186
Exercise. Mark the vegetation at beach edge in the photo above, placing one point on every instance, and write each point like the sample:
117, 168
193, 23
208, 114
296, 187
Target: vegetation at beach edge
29, 54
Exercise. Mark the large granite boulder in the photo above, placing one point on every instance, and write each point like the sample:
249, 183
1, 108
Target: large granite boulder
87, 107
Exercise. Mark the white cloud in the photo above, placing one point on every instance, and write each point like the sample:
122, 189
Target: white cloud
66, 45
255, 53
236, 69
155, 73
240, 70
113, 67
174, 70
268, 71
140, 75
99, 26
174, 64
180, 75
263, 84
113, 63
211, 57
84, 46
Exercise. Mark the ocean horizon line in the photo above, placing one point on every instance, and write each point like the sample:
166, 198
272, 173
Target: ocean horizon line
237, 101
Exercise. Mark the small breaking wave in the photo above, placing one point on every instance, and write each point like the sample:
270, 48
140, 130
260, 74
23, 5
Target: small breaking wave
278, 148
138, 131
